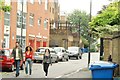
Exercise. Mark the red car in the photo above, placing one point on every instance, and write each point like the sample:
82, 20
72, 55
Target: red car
7, 63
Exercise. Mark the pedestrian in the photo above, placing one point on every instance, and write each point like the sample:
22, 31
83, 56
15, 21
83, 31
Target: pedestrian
46, 61
28, 59
17, 54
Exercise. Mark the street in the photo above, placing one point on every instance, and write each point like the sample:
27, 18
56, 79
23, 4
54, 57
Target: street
57, 70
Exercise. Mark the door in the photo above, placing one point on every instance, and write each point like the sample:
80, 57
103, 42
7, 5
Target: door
44, 44
37, 44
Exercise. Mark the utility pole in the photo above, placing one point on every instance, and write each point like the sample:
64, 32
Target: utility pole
79, 30
66, 44
22, 25
89, 33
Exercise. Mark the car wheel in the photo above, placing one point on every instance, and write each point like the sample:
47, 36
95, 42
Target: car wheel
21, 67
67, 59
80, 57
12, 68
34, 61
77, 57
57, 60
63, 59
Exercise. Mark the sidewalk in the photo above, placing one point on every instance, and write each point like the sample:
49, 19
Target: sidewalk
83, 73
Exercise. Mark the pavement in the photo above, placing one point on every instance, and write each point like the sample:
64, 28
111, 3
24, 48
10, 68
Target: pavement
82, 73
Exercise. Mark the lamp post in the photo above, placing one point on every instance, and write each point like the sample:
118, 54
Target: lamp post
89, 33
79, 30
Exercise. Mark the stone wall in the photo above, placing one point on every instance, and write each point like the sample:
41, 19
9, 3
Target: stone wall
112, 47
107, 48
116, 51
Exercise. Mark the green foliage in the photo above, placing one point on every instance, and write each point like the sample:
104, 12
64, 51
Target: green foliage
76, 18
107, 20
6, 8
85, 42
3, 7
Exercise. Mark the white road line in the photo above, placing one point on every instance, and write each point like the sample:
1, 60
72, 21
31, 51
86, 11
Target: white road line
70, 73
59, 76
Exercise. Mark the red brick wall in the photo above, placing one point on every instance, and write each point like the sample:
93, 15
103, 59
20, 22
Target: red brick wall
1, 27
13, 23
38, 11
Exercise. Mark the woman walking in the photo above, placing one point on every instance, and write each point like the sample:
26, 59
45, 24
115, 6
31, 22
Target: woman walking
46, 61
28, 59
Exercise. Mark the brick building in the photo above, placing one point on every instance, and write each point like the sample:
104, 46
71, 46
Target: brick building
61, 35
32, 28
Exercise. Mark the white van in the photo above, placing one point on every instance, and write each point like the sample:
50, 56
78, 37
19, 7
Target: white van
75, 52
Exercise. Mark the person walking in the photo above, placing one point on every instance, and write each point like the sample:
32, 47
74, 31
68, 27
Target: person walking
46, 61
28, 59
17, 54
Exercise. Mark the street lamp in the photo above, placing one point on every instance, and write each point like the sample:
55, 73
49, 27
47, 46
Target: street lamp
89, 33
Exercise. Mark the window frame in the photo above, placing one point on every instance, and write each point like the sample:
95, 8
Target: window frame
31, 17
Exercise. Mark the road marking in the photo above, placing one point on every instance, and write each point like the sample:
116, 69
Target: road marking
70, 73
59, 76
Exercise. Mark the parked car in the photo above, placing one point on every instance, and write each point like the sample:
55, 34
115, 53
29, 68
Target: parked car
6, 62
54, 56
62, 53
75, 52
38, 56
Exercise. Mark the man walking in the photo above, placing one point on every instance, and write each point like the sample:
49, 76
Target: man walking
18, 56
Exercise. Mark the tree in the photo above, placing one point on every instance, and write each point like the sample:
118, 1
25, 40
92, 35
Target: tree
3, 7
79, 17
107, 20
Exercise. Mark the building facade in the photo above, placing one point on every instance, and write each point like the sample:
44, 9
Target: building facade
62, 35
28, 22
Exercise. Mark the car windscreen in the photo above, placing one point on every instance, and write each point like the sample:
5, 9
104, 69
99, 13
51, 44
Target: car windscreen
57, 50
5, 52
39, 50
42, 52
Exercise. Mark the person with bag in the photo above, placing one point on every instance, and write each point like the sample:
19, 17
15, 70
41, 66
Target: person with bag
17, 54
46, 61
28, 59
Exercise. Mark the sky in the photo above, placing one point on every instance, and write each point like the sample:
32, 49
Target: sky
68, 6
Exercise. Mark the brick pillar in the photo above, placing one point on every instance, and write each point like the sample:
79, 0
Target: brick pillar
107, 48
116, 53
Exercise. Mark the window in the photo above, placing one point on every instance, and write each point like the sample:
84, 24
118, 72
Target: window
18, 38
50, 9
31, 18
53, 10
46, 4
25, 1
39, 22
19, 20
7, 18
40, 1
45, 23
32, 1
